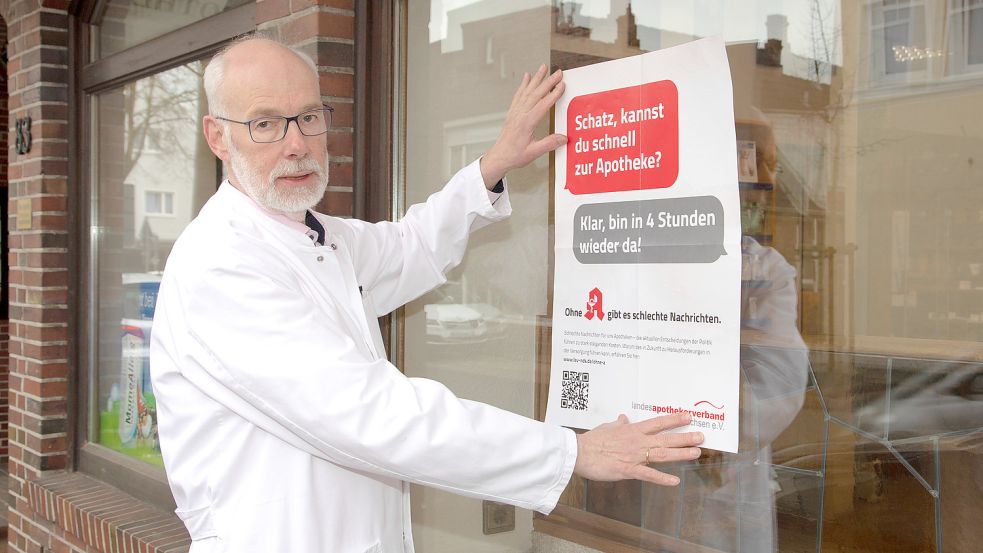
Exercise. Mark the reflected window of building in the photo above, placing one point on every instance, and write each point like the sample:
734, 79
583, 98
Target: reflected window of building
966, 36
159, 203
145, 191
898, 39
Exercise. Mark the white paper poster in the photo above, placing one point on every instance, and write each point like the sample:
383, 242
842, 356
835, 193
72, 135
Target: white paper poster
646, 304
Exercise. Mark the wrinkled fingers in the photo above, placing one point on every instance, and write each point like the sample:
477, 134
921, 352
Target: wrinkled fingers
521, 91
669, 454
547, 101
549, 84
539, 88
665, 422
680, 439
535, 81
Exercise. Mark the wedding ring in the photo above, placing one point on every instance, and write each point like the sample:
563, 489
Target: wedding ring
647, 449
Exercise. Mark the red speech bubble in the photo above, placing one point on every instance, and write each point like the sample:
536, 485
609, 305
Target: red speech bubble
623, 139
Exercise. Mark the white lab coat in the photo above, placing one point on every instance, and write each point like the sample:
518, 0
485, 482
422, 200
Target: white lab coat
282, 426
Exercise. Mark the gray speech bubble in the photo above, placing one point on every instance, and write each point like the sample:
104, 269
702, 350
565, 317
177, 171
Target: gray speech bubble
676, 230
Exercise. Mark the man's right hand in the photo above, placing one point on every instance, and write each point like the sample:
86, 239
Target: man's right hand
517, 145
621, 450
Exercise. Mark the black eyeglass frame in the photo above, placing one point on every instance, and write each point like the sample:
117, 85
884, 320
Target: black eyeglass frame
286, 126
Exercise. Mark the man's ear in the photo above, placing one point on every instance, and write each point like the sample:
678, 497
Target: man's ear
215, 136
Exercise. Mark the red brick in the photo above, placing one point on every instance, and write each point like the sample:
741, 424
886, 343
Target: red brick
44, 314
300, 29
57, 260
47, 278
49, 221
44, 333
46, 445
343, 115
337, 84
45, 352
318, 24
268, 10
50, 203
340, 143
58, 546
337, 203
45, 389
341, 173
47, 184
44, 297
37, 167
52, 129
47, 240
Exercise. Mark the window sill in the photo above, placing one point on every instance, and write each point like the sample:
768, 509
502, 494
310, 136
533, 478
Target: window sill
105, 518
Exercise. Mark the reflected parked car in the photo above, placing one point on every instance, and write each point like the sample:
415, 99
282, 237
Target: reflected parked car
449, 322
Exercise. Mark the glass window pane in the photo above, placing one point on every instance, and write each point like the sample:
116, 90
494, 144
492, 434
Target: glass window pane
127, 23
456, 105
130, 244
862, 305
153, 202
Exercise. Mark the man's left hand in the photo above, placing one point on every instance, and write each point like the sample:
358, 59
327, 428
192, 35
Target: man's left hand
517, 145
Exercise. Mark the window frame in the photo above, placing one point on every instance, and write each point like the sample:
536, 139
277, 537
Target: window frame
959, 11
879, 54
164, 196
196, 41
378, 170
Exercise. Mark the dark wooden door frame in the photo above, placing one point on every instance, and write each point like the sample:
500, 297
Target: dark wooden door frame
375, 95
377, 25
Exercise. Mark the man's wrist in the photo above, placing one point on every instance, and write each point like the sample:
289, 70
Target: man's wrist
492, 172
578, 466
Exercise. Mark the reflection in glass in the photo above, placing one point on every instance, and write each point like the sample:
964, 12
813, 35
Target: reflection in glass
127, 23
477, 334
862, 270
153, 171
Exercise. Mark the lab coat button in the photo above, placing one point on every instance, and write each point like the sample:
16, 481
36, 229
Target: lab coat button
320, 258
334, 246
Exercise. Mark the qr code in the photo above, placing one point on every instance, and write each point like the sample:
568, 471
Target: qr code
575, 390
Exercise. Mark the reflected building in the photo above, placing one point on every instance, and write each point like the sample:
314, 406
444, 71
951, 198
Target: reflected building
892, 406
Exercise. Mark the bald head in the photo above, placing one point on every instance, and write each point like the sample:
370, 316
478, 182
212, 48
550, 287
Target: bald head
256, 67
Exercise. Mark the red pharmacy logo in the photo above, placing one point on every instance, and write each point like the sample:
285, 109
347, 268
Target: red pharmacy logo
595, 305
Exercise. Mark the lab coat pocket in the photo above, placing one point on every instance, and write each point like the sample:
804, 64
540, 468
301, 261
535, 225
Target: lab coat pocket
377, 548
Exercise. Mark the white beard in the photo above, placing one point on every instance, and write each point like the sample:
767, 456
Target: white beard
294, 199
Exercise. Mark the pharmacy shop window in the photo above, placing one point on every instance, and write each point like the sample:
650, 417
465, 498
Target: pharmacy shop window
146, 170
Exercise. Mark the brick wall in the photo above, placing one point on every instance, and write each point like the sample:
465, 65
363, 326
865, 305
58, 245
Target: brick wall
4, 302
325, 29
38, 241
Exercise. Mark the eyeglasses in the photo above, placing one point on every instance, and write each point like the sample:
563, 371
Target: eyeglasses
273, 128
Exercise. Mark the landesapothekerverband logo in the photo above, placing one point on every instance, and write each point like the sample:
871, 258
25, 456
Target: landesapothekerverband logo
595, 305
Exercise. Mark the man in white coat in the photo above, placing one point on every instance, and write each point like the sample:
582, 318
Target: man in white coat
282, 425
